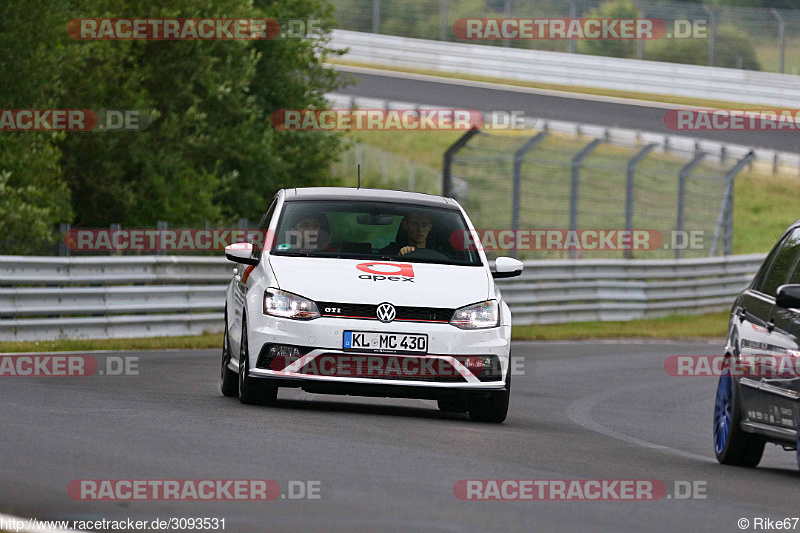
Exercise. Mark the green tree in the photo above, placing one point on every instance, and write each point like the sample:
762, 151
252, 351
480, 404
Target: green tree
623, 9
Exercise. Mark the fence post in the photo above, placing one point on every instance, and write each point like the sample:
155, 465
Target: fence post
571, 43
161, 226
683, 175
631, 172
63, 250
507, 14
781, 40
114, 228
712, 34
447, 178
519, 157
575, 182
412, 176
442, 20
376, 16
725, 219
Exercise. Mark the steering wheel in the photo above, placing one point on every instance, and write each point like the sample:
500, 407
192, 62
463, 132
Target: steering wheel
425, 253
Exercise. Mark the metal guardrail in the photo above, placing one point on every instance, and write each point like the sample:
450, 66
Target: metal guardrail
713, 83
89, 297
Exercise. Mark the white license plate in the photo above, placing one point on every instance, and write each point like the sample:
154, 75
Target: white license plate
385, 342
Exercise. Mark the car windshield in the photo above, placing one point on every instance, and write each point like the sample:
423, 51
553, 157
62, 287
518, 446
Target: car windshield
373, 230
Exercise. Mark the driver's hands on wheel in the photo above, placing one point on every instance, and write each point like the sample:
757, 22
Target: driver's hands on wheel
406, 250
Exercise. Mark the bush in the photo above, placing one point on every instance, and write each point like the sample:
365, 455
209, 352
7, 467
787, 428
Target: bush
623, 9
731, 50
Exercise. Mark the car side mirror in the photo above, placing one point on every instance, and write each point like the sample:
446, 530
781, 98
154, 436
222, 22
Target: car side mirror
241, 252
507, 267
788, 296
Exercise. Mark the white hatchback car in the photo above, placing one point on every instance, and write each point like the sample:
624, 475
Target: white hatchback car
371, 293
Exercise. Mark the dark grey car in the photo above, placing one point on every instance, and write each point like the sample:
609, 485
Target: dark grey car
755, 408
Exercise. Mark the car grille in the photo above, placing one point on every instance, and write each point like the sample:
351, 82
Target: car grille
369, 312
376, 366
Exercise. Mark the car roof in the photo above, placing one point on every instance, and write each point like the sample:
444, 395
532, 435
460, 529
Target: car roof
374, 195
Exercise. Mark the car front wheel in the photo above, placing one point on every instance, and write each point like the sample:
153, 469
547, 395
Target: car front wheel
493, 409
252, 391
228, 382
732, 445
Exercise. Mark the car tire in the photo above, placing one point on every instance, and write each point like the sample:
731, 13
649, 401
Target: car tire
453, 404
732, 445
229, 380
493, 409
252, 391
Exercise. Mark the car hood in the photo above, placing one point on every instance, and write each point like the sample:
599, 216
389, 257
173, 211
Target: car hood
374, 282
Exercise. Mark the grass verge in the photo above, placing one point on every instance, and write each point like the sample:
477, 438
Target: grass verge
193, 342
671, 327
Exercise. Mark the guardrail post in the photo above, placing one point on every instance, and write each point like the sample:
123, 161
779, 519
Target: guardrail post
519, 157
575, 182
631, 172
447, 178
781, 40
683, 175
725, 219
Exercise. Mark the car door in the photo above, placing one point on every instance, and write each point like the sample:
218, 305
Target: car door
784, 337
765, 397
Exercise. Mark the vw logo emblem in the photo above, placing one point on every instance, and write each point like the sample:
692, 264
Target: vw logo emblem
386, 312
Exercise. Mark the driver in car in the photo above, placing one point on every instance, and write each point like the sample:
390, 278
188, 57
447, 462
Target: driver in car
417, 226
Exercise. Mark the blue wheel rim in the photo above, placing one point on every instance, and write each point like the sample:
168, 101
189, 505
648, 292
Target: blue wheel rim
723, 411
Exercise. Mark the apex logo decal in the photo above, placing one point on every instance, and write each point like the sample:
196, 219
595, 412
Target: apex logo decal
386, 271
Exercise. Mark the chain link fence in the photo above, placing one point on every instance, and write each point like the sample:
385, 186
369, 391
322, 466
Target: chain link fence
548, 181
748, 38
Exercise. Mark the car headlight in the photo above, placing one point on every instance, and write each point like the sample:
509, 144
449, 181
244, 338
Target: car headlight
287, 305
477, 316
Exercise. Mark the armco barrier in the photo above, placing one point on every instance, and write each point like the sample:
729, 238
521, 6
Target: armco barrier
43, 298
694, 81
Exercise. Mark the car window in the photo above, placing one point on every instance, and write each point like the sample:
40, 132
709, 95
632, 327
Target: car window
794, 279
781, 266
373, 230
258, 239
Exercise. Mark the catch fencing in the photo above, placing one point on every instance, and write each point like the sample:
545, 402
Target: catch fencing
735, 37
46, 298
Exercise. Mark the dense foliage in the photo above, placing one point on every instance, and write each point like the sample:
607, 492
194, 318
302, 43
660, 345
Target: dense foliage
210, 152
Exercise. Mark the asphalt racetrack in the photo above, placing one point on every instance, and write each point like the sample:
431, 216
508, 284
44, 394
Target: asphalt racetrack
586, 109
581, 410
